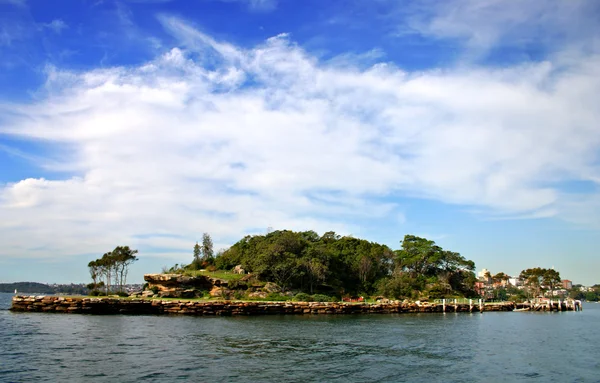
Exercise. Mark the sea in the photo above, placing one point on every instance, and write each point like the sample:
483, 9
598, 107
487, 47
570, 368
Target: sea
451, 347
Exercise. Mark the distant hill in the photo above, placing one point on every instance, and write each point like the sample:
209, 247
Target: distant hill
41, 288
26, 287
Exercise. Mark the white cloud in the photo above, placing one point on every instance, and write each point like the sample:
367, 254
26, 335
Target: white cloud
227, 140
256, 5
56, 25
18, 3
486, 24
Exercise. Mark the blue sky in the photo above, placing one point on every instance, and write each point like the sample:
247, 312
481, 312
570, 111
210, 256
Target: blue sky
147, 123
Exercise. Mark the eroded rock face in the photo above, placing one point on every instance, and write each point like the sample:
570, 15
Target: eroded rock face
171, 281
258, 294
271, 287
182, 286
220, 292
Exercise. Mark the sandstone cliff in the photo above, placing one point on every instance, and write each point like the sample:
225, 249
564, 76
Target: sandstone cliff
177, 285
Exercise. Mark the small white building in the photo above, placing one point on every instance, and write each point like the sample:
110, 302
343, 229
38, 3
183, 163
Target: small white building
515, 281
483, 273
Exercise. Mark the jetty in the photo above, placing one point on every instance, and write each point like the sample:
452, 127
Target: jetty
141, 306
545, 304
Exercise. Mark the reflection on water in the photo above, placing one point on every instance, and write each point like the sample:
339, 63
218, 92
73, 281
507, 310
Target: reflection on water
385, 348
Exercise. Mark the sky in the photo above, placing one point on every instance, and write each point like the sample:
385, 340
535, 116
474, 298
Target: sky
473, 123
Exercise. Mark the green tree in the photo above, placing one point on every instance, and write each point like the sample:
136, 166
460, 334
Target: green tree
538, 279
123, 257
346, 265
197, 257
500, 277
113, 266
316, 272
207, 248
446, 271
94, 269
591, 296
551, 278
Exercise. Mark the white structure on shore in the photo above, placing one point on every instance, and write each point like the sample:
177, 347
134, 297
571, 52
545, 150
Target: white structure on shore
483, 272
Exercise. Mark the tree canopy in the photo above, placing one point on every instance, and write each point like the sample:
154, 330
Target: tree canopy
539, 279
112, 267
331, 263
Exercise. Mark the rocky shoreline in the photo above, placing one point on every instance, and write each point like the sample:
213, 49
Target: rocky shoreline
125, 306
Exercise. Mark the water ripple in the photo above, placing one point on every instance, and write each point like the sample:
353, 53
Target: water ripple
376, 348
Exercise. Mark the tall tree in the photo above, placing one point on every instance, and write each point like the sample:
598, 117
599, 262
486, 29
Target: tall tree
551, 278
501, 277
197, 256
94, 268
123, 257
534, 279
207, 248
316, 272
112, 266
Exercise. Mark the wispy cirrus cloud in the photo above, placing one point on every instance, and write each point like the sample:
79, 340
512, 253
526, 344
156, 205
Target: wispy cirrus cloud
56, 25
18, 3
482, 25
255, 5
214, 137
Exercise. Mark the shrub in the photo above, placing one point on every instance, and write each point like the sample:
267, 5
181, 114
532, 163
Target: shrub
276, 297
154, 289
321, 298
238, 295
303, 297
122, 294
94, 293
237, 284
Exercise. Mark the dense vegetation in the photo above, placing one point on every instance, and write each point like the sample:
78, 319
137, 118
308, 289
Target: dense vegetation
592, 295
341, 266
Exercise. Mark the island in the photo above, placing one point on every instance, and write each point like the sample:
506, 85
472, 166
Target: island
287, 272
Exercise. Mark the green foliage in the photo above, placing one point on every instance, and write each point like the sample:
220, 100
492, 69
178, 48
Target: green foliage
276, 297
336, 265
592, 296
238, 295
221, 274
322, 298
401, 285
538, 279
208, 254
302, 297
236, 284
112, 267
197, 261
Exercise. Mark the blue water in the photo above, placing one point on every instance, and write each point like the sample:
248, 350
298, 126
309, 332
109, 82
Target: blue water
490, 347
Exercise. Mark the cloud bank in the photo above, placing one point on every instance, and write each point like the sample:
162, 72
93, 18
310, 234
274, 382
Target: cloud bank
213, 137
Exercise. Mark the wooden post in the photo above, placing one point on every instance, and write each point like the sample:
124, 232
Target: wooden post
480, 305
455, 305
444, 305
470, 305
